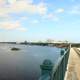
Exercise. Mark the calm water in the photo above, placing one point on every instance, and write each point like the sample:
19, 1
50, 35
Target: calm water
24, 64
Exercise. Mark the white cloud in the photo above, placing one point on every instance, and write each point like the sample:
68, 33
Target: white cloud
24, 18
28, 1
11, 26
14, 1
60, 10
42, 9
18, 6
2, 1
52, 17
22, 29
11, 1
4, 17
23, 5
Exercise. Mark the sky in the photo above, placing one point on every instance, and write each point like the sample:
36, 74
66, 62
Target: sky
35, 20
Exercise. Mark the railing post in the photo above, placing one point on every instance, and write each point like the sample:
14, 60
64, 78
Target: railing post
46, 70
62, 52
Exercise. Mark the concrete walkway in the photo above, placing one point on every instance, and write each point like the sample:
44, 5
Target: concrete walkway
73, 68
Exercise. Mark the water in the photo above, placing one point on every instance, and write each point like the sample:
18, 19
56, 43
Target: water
25, 63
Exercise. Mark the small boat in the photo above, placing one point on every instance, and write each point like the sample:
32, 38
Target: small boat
15, 49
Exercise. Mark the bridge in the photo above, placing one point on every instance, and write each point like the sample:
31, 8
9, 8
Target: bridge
66, 68
73, 67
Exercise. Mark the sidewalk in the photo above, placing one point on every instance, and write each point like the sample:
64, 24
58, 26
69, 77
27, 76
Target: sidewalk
73, 68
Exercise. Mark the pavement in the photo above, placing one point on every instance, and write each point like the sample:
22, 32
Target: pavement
73, 67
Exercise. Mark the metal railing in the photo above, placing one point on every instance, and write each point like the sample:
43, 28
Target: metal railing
60, 68
57, 71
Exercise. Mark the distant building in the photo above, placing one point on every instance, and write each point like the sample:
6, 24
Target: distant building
50, 41
54, 41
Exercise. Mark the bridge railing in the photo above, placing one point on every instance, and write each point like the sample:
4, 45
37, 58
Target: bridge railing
57, 71
60, 68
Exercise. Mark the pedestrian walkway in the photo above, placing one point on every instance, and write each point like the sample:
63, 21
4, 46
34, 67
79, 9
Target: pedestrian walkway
73, 68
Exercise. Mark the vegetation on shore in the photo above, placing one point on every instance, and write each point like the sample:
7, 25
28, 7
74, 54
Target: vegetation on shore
15, 49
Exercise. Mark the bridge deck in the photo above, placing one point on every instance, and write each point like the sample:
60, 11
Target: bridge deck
73, 68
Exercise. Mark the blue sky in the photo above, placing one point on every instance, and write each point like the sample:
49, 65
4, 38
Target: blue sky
35, 20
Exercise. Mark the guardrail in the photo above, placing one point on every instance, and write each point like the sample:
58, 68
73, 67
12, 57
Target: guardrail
60, 68
57, 71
